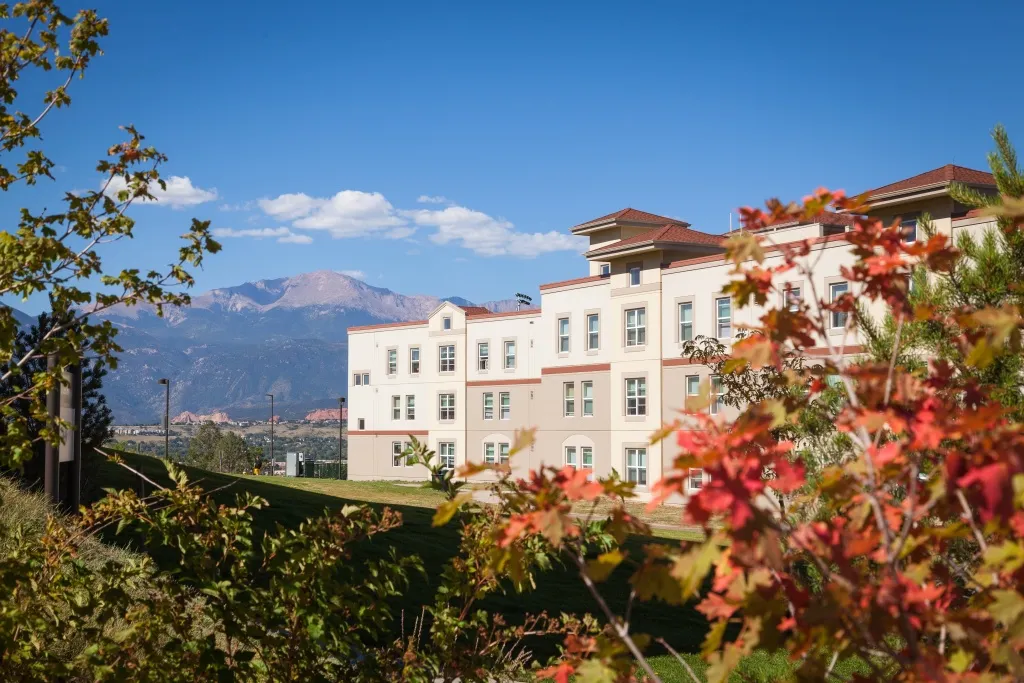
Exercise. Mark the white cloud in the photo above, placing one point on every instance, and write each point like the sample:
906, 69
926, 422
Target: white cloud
178, 193
282, 235
289, 206
436, 199
488, 236
238, 206
357, 274
349, 213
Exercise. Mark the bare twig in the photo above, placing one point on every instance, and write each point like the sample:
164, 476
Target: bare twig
679, 658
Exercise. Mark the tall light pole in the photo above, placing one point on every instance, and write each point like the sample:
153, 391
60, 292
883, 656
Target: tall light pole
341, 417
167, 415
273, 465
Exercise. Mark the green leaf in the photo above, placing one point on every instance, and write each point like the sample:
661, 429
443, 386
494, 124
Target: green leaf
447, 509
1007, 606
601, 567
594, 671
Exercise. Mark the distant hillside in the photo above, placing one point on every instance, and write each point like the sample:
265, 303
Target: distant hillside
233, 346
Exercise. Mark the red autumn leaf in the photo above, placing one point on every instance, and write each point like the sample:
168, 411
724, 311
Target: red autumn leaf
560, 673
996, 489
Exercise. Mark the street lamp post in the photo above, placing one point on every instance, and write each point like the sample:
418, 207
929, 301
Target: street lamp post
167, 415
341, 417
273, 464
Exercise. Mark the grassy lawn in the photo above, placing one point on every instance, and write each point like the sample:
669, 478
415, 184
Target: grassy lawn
559, 590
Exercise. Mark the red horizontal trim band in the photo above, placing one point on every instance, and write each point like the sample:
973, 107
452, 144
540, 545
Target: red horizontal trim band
507, 314
380, 326
502, 382
565, 369
576, 281
388, 432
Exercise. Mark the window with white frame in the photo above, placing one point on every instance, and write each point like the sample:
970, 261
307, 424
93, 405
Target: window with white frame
362, 423
692, 386
563, 335
396, 407
503, 453
488, 406
483, 355
446, 322
366, 379
636, 396
569, 398
410, 407
357, 379
570, 456
908, 226
414, 360
397, 459
636, 466
716, 395
723, 317
606, 269
835, 291
510, 355
489, 453
587, 390
446, 406
446, 355
696, 478
636, 327
793, 297
593, 332
446, 454
504, 405
587, 458
634, 276
392, 361
686, 321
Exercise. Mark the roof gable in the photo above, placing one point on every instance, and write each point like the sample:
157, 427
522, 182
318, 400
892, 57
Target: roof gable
666, 234
944, 174
630, 215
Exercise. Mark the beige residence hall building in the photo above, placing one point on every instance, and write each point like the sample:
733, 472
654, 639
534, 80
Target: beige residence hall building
598, 367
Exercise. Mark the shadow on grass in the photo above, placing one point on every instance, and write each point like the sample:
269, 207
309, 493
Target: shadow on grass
558, 590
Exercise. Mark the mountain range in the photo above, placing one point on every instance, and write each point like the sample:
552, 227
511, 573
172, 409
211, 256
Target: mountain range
232, 346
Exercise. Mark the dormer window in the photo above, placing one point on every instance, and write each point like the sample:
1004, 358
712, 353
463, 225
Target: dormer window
606, 269
446, 322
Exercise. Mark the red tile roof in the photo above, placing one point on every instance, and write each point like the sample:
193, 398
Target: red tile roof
474, 310
381, 326
629, 215
823, 218
943, 174
672, 234
574, 281
506, 314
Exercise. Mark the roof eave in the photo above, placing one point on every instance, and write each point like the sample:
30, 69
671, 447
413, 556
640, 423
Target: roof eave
588, 228
922, 192
646, 247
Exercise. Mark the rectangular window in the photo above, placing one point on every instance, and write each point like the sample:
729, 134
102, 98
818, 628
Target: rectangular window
696, 478
636, 396
563, 335
606, 269
587, 455
410, 407
489, 453
503, 450
723, 317
362, 423
510, 355
446, 322
396, 454
570, 456
392, 361
357, 379
593, 332
447, 358
488, 406
686, 321
504, 405
414, 360
366, 379
447, 407
446, 454
692, 385
716, 395
634, 276
909, 228
483, 355
587, 389
569, 398
793, 297
396, 407
636, 466
836, 290
636, 327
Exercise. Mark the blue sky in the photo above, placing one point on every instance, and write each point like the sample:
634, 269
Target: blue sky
519, 120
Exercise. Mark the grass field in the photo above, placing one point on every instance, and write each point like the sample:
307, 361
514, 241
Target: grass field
559, 590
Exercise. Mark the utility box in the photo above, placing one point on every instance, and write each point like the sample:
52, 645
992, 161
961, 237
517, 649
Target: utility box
291, 465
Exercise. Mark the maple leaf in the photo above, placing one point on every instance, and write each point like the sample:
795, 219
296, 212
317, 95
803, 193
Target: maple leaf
559, 673
995, 490
601, 567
